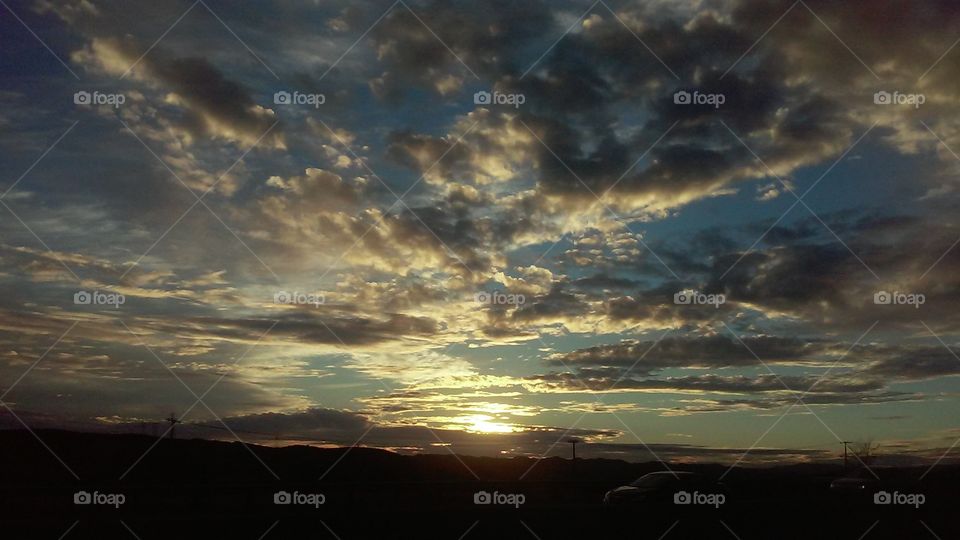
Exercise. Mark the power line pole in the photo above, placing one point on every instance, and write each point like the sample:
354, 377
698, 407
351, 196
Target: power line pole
173, 422
573, 443
845, 443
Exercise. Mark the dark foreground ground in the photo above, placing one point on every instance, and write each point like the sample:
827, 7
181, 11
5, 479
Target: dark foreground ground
204, 489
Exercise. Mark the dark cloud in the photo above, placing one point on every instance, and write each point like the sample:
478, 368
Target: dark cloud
425, 48
813, 399
918, 364
214, 105
816, 277
555, 303
604, 282
698, 352
606, 379
583, 73
327, 327
323, 422
864, 375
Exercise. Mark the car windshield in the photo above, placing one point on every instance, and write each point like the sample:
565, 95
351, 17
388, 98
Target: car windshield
859, 474
652, 481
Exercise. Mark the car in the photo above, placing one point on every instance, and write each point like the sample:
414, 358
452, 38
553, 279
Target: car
858, 482
661, 487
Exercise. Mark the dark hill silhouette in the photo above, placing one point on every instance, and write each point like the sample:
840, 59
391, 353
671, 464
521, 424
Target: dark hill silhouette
372, 492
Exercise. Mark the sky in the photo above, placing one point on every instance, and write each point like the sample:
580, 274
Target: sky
694, 230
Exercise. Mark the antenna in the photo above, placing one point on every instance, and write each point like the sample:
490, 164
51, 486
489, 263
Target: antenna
173, 422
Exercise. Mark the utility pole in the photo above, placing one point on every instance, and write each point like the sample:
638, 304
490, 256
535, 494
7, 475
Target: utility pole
573, 443
173, 422
845, 443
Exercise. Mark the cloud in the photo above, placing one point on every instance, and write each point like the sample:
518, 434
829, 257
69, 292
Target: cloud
716, 351
214, 105
508, 201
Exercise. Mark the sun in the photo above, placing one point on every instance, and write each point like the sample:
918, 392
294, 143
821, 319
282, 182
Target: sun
481, 423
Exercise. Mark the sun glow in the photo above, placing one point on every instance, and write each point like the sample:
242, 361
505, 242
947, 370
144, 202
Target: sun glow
482, 423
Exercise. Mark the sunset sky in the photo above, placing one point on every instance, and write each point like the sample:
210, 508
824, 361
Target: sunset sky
582, 202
